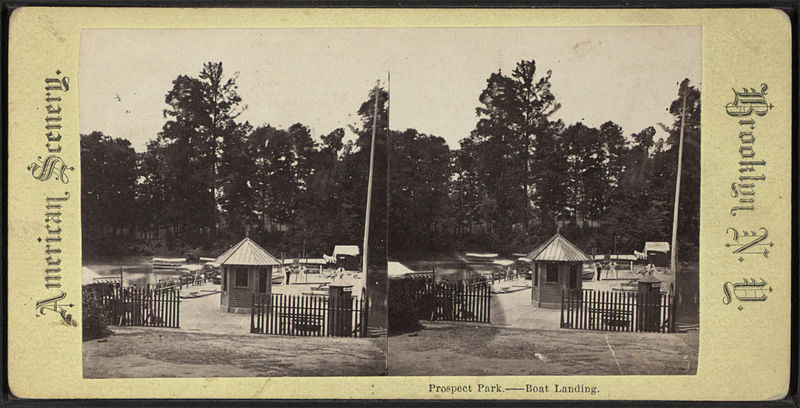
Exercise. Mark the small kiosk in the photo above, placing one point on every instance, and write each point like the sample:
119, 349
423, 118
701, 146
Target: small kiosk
246, 271
556, 265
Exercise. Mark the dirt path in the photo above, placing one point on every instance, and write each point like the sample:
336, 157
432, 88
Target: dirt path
464, 349
151, 352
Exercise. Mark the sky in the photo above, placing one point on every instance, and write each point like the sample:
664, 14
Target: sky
320, 77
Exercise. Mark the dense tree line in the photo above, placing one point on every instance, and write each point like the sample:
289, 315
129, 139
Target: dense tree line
207, 179
521, 175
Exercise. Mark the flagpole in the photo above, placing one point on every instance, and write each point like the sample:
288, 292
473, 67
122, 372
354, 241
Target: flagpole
674, 260
364, 259
388, 134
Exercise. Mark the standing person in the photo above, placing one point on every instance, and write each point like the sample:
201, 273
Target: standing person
613, 268
599, 270
288, 271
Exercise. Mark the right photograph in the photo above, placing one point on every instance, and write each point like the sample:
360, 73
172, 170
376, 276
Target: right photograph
544, 202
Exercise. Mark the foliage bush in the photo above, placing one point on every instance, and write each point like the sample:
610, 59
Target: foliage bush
193, 256
95, 316
140, 247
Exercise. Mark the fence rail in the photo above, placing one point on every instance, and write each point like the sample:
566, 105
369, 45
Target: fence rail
133, 306
454, 301
303, 315
630, 311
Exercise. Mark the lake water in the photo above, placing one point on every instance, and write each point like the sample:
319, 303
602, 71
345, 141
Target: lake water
134, 271
453, 270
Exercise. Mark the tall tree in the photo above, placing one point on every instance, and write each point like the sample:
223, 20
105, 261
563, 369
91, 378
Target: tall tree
236, 173
537, 103
498, 158
200, 118
108, 187
513, 117
586, 171
419, 181
466, 192
615, 149
549, 176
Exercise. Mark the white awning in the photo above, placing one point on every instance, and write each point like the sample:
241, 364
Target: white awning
656, 246
398, 270
351, 250
169, 260
305, 261
481, 255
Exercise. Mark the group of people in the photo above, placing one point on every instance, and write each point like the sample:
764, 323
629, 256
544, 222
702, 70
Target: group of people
299, 270
612, 269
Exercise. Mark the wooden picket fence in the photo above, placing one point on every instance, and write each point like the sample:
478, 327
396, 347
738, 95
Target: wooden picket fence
303, 315
132, 306
630, 311
450, 301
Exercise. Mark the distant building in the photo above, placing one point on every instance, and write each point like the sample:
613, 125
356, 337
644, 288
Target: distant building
347, 257
657, 253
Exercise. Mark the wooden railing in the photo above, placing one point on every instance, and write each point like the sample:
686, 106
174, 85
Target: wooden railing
303, 315
617, 311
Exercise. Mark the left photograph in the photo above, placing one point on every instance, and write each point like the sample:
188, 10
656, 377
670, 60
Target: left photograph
233, 204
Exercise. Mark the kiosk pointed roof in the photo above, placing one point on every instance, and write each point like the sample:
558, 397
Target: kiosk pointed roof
246, 252
558, 249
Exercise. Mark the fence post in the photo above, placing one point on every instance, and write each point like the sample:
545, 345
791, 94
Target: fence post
178, 314
365, 317
562, 308
488, 291
672, 313
252, 312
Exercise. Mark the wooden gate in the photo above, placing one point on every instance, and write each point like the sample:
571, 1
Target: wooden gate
301, 315
617, 311
133, 306
450, 301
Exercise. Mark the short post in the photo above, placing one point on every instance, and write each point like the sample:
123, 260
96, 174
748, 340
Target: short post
252, 312
340, 297
649, 303
562, 308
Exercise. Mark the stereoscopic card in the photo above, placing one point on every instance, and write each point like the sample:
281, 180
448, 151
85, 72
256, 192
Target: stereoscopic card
494, 204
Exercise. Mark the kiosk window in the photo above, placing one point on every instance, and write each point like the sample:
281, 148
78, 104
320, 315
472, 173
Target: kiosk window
241, 278
551, 274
